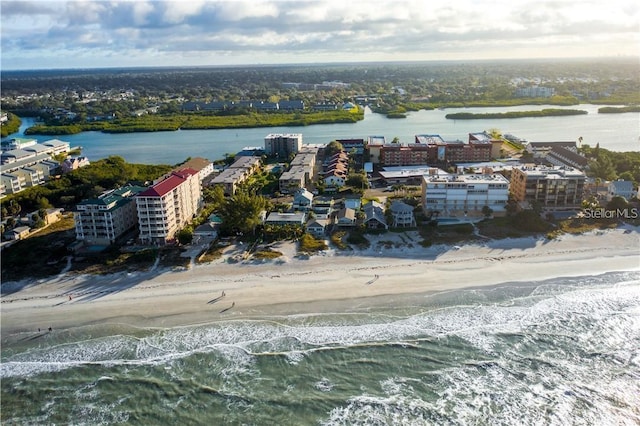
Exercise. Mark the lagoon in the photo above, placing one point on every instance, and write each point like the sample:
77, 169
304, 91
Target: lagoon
615, 132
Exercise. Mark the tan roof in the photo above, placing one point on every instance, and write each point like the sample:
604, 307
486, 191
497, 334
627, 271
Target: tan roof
196, 163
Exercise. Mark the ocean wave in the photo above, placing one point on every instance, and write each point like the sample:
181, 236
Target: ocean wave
600, 312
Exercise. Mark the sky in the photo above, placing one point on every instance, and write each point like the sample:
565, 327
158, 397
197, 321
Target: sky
50, 34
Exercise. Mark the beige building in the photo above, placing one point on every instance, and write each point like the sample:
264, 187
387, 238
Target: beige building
237, 173
282, 145
167, 206
551, 187
301, 171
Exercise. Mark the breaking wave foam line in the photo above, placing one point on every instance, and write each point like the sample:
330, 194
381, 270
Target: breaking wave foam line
479, 324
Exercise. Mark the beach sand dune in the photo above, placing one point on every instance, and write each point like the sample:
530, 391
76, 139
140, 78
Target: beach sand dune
330, 282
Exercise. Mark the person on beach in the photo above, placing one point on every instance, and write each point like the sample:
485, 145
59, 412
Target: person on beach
70, 298
223, 293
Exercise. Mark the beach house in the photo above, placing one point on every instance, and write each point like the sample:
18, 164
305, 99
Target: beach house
374, 217
402, 214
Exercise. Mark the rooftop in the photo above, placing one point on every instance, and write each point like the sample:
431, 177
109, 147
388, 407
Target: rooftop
196, 163
164, 187
551, 172
429, 139
468, 178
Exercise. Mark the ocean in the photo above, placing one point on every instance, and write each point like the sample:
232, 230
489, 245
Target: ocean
564, 351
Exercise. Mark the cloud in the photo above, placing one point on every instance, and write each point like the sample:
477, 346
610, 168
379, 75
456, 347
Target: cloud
302, 31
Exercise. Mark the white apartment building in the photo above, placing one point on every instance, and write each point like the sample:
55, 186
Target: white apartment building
464, 195
17, 143
57, 146
167, 206
282, 145
102, 220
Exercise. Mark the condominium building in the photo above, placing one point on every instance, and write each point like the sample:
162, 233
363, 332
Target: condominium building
300, 172
535, 92
464, 195
431, 149
551, 187
167, 206
282, 145
102, 220
202, 165
17, 143
236, 173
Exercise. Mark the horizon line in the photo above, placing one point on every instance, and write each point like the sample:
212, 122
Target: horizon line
292, 64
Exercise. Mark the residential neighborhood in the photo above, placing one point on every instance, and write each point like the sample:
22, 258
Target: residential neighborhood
346, 185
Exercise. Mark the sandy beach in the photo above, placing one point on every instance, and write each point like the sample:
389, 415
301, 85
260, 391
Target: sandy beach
348, 281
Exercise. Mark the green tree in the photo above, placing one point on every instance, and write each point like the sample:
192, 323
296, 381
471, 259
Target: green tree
487, 211
214, 196
185, 236
627, 176
617, 203
357, 180
602, 167
241, 212
11, 223
332, 148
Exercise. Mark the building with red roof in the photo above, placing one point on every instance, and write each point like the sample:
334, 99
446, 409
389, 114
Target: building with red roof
167, 206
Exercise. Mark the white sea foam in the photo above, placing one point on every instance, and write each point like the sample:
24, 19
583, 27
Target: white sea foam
480, 324
324, 385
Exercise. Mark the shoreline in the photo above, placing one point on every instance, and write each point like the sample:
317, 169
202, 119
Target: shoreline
329, 283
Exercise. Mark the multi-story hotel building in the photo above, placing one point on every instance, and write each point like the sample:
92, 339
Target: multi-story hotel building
102, 220
464, 195
167, 206
282, 145
551, 187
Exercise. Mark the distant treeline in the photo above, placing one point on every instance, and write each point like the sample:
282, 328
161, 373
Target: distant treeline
157, 123
548, 112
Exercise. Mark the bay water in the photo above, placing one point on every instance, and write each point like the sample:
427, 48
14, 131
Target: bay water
615, 132
562, 351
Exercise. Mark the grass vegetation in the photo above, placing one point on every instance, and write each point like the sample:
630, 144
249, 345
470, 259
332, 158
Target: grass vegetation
357, 238
311, 244
40, 255
266, 254
581, 225
447, 234
213, 252
337, 239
